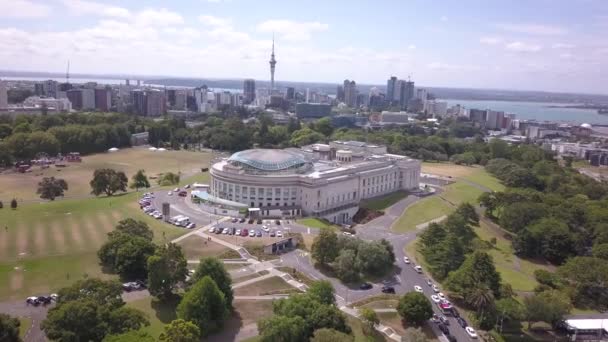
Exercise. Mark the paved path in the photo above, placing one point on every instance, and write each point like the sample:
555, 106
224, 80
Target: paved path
36, 313
269, 297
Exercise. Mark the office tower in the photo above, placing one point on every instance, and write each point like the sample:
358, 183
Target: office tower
156, 102
248, 91
340, 93
307, 95
181, 96
3, 95
75, 97
127, 82
391, 84
475, 115
273, 63
39, 89
290, 94
406, 93
422, 94
103, 99
350, 93
494, 119
138, 99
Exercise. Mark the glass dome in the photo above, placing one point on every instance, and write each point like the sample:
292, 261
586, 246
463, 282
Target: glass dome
267, 160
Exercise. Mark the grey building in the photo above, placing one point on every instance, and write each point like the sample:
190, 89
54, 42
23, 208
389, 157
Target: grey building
248, 91
312, 110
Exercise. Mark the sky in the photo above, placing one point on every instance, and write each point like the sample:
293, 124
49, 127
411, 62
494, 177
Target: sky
551, 45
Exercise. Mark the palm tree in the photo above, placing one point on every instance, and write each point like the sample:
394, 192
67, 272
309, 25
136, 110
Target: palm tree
481, 298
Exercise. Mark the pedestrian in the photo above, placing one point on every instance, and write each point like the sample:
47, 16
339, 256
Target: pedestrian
6, 228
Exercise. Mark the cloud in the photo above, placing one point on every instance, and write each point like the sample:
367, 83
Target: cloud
158, 17
23, 9
490, 40
292, 30
212, 21
412, 47
523, 47
452, 67
533, 29
563, 46
81, 7
443, 18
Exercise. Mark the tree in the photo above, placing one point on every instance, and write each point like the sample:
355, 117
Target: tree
139, 180
9, 328
14, 203
517, 216
373, 258
168, 178
467, 211
414, 335
322, 291
324, 127
204, 305
587, 277
548, 306
89, 310
481, 298
180, 331
215, 269
415, 308
108, 181
133, 227
477, 271
369, 318
305, 136
49, 188
498, 148
166, 268
331, 335
323, 248
510, 309
130, 336
599, 250
282, 329
345, 266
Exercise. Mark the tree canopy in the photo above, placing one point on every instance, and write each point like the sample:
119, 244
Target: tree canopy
415, 308
108, 182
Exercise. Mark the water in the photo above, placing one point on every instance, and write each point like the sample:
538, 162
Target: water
540, 111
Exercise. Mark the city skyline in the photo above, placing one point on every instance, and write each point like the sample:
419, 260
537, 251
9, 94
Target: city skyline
506, 46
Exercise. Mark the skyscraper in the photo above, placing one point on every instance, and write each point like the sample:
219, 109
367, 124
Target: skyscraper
391, 84
405, 92
103, 99
3, 95
248, 91
350, 93
273, 63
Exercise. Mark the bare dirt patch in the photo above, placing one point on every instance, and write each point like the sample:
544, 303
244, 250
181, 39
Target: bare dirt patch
448, 170
74, 228
250, 311
274, 285
196, 247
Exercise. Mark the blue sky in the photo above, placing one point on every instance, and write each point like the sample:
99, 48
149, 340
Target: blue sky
554, 45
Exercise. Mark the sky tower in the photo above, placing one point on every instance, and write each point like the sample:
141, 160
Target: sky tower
272, 62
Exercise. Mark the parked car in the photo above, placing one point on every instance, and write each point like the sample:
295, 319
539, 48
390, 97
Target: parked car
176, 189
252, 233
45, 300
182, 194
250, 221
32, 301
258, 233
388, 289
191, 225
406, 260
54, 296
279, 233
212, 230
435, 318
429, 282
170, 193
242, 219
245, 232
238, 232
187, 186
266, 228
132, 286
272, 233
471, 332
365, 286
441, 296
234, 220
278, 222
418, 289
225, 232
259, 221
461, 322
347, 234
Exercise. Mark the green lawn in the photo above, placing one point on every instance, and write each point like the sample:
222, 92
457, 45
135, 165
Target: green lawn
314, 222
383, 202
422, 211
48, 246
159, 313
25, 325
461, 192
482, 177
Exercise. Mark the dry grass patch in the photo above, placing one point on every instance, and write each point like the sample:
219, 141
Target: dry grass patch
273, 285
448, 169
196, 247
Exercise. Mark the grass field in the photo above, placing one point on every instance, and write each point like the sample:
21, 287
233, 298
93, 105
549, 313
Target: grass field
272, 285
78, 175
314, 222
420, 212
196, 247
393, 320
383, 202
475, 174
25, 324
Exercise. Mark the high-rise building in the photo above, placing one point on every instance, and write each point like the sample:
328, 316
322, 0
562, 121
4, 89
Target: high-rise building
340, 93
138, 99
290, 94
494, 119
249, 91
103, 99
88, 98
156, 103
3, 95
181, 96
350, 93
391, 84
273, 63
406, 93
75, 97
477, 115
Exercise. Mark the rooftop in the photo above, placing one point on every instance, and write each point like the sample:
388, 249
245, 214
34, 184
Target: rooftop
269, 159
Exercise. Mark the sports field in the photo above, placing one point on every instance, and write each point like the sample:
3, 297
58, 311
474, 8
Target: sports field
45, 246
78, 175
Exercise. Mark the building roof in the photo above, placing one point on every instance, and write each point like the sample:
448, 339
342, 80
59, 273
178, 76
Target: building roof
588, 324
269, 160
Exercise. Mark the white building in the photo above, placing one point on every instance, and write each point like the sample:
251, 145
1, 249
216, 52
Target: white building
3, 95
326, 181
88, 98
52, 104
437, 108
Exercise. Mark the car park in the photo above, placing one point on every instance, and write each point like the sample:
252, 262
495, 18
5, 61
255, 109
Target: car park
471, 332
406, 260
418, 289
418, 269
461, 322
388, 289
365, 286
435, 299
279, 234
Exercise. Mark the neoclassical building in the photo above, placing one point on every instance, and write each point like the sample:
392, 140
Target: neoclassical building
319, 180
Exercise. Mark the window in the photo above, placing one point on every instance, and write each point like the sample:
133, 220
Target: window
364, 182
354, 194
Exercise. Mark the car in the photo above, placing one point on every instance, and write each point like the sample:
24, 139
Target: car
245, 232
241, 220
252, 233
279, 233
272, 233
32, 300
212, 230
471, 332
451, 338
461, 322
225, 231
441, 296
278, 222
259, 221
54, 296
176, 190
347, 234
169, 193
418, 269
418, 289
435, 288
388, 289
158, 216
365, 286
219, 231
182, 194
266, 229
435, 299
238, 232
191, 225
234, 220
250, 221
429, 282
45, 299
258, 233
444, 320
406, 260
435, 318
444, 328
